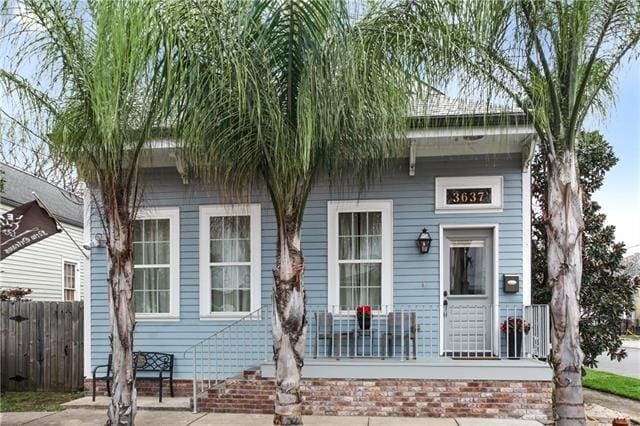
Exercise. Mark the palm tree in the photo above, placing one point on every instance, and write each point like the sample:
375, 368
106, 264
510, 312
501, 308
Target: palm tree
556, 60
275, 94
103, 68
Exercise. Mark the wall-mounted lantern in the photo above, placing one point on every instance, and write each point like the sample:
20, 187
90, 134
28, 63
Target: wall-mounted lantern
100, 240
424, 241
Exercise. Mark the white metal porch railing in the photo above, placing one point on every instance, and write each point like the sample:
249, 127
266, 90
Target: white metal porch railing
424, 331
394, 332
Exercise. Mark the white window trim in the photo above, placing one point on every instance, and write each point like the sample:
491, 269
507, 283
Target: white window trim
173, 214
76, 290
493, 182
253, 211
526, 236
335, 207
86, 234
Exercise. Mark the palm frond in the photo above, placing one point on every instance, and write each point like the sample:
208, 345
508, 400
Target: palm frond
274, 93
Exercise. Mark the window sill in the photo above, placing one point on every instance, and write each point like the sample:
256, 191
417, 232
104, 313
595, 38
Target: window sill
157, 318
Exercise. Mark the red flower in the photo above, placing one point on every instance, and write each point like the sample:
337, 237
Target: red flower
364, 310
513, 323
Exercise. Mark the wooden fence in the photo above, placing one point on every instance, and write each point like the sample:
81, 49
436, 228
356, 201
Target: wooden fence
42, 346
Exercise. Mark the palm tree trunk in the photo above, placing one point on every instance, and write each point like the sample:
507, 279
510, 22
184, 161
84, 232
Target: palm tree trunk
564, 265
289, 324
122, 314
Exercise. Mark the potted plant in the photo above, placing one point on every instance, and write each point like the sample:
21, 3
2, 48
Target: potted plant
363, 313
514, 328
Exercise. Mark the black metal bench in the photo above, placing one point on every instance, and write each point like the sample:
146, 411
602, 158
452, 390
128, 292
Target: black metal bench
143, 362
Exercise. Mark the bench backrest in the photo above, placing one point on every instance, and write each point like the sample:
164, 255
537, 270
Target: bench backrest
148, 361
152, 361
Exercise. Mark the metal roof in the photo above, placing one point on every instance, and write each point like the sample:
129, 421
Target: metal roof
18, 188
441, 105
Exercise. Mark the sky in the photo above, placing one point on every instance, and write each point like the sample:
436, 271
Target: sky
620, 194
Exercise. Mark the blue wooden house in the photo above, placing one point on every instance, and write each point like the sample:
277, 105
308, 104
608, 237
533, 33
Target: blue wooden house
418, 288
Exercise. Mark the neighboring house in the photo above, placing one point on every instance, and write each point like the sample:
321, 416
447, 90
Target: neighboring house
52, 268
203, 280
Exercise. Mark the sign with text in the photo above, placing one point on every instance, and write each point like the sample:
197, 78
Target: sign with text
23, 226
468, 196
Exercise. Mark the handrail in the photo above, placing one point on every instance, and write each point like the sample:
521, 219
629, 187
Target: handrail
223, 329
224, 354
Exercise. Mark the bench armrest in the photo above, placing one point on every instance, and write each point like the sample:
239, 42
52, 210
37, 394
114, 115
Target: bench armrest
95, 370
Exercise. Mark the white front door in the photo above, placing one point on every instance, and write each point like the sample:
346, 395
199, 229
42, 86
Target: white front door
468, 292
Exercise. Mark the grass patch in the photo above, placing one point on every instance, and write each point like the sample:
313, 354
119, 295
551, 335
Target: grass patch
35, 401
628, 387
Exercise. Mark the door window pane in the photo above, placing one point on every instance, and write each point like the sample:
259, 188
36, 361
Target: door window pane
468, 274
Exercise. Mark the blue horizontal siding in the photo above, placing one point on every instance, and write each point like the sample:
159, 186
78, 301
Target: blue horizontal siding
413, 208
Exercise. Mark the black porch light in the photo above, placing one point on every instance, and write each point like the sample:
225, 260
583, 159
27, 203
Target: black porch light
424, 241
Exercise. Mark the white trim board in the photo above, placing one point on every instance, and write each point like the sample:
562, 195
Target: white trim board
526, 237
254, 212
448, 132
173, 214
333, 273
432, 369
86, 236
496, 294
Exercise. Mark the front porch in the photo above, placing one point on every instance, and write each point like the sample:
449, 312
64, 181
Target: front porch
405, 360
490, 355
455, 341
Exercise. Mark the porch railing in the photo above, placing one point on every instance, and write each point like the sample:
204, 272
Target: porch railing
423, 331
396, 332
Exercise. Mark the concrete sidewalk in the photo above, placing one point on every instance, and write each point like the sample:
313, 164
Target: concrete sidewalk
89, 417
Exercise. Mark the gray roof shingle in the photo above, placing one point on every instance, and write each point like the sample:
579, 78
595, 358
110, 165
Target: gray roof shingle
18, 189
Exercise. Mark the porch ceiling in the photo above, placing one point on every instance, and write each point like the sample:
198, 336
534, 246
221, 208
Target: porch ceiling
470, 141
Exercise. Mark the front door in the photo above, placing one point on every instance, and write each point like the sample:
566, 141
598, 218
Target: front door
468, 292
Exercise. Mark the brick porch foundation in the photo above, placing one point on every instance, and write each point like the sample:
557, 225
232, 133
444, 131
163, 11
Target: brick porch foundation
390, 397
251, 393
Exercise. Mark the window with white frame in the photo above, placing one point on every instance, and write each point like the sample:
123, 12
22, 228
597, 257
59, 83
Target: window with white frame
69, 280
360, 253
229, 260
156, 258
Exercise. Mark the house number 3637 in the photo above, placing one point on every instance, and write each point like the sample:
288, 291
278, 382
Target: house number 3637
469, 196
